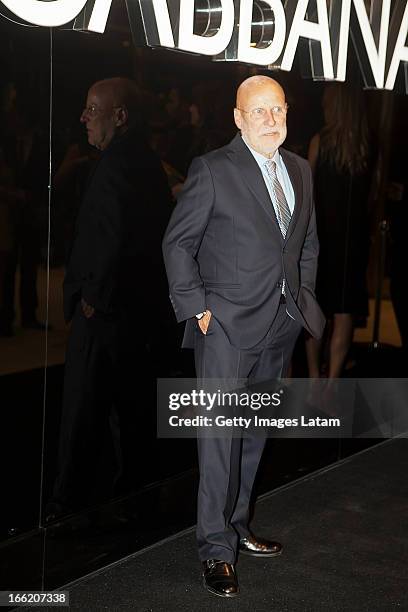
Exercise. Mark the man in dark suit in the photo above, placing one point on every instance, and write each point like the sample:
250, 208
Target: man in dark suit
241, 256
113, 296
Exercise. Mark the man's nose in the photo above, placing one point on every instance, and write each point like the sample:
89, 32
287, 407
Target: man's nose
84, 116
270, 117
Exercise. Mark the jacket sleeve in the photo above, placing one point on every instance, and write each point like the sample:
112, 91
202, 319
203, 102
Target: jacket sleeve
182, 241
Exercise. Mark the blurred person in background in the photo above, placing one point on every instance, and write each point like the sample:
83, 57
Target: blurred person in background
203, 129
341, 161
25, 153
397, 214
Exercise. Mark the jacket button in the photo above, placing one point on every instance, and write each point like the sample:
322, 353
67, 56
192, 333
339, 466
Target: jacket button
279, 285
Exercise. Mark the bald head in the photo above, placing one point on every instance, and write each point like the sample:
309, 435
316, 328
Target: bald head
256, 84
113, 105
260, 114
120, 92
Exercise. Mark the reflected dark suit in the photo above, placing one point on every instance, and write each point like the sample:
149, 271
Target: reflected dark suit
224, 252
115, 266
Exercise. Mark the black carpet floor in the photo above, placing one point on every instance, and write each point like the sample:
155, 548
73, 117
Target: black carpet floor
345, 536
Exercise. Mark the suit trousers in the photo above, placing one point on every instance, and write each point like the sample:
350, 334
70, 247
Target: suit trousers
228, 465
102, 412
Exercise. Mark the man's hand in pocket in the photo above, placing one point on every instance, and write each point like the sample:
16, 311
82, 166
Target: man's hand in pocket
204, 322
87, 309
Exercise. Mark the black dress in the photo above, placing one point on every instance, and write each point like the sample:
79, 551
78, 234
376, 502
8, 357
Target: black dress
343, 229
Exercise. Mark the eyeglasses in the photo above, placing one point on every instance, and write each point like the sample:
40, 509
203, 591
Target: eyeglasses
92, 110
260, 113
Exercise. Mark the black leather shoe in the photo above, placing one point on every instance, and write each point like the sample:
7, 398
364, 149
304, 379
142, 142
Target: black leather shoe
220, 578
257, 547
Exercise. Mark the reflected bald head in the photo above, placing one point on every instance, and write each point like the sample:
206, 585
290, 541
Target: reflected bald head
119, 92
257, 85
112, 106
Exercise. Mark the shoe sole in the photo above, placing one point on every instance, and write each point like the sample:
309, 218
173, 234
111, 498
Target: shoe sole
213, 592
254, 554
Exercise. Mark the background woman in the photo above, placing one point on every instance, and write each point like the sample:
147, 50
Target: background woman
341, 162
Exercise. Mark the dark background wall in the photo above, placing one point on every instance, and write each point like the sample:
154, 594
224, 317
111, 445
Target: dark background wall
51, 71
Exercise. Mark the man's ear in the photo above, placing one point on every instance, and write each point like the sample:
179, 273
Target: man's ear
237, 118
122, 116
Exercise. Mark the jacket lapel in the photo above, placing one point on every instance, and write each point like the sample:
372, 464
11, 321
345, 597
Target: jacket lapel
296, 180
252, 175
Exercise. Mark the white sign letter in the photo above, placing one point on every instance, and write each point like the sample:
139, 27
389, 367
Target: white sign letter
48, 14
207, 45
376, 58
400, 52
315, 31
272, 52
161, 12
99, 16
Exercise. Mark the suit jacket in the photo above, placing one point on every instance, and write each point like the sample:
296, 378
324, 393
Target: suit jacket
116, 256
224, 251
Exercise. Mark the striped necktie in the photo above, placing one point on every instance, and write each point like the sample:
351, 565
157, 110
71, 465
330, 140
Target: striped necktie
283, 211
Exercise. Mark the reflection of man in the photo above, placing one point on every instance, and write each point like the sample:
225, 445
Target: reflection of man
112, 283
241, 254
